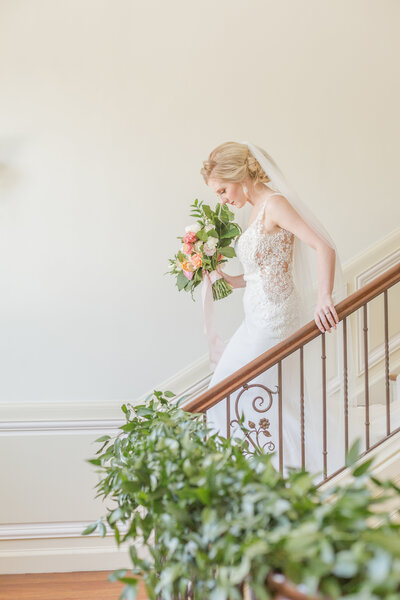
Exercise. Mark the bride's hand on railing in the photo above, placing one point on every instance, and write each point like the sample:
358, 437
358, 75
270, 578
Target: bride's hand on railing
236, 281
325, 315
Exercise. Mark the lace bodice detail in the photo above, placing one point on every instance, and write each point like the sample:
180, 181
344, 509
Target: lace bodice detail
268, 255
267, 260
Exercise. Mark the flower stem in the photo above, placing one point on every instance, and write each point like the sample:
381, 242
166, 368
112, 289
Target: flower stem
221, 289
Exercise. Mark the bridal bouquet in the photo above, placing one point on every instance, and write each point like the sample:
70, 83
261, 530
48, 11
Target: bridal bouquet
206, 244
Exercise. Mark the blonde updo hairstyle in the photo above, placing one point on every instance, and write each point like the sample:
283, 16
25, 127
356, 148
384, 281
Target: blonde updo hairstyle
233, 162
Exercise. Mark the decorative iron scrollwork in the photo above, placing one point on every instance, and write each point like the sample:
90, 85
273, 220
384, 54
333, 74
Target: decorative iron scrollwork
256, 433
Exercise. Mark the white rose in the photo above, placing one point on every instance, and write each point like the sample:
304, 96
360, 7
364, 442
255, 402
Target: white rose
197, 246
209, 227
195, 227
212, 241
209, 250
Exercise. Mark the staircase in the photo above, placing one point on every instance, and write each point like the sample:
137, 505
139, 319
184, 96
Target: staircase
376, 417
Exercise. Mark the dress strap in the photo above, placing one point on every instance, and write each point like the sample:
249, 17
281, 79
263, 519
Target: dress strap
262, 210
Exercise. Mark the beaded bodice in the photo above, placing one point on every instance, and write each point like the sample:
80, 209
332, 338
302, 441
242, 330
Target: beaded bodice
267, 260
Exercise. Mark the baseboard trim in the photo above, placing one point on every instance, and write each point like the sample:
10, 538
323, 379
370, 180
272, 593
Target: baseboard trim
36, 531
64, 559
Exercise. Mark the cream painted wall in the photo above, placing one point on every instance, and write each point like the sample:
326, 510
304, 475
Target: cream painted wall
107, 110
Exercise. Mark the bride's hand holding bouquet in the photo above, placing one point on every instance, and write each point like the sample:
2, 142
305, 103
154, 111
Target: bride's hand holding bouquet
235, 281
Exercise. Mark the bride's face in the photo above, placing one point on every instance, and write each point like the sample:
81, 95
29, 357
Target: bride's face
228, 192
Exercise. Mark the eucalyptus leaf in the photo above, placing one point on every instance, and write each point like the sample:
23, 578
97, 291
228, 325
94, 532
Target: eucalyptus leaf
345, 565
130, 592
181, 281
103, 438
94, 461
353, 453
379, 566
115, 515
116, 575
390, 543
90, 528
102, 529
361, 469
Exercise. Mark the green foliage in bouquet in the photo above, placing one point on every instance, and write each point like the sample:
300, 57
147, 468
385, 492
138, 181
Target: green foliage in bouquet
207, 245
209, 518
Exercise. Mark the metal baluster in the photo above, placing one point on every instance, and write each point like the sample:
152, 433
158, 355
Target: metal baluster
346, 387
387, 382
366, 376
323, 360
228, 416
302, 407
280, 416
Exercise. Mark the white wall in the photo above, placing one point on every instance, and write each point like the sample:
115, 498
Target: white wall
107, 110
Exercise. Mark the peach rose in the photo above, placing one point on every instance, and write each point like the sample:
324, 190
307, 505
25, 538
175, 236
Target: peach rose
187, 248
196, 261
187, 265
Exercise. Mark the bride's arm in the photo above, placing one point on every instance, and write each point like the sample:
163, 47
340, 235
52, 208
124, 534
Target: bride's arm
284, 215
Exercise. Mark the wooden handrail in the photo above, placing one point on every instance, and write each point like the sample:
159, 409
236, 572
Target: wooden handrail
307, 333
285, 589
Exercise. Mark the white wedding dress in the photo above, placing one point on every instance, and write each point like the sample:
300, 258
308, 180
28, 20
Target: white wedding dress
272, 313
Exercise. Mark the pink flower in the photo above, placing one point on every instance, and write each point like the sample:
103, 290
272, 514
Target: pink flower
187, 248
209, 250
188, 274
190, 237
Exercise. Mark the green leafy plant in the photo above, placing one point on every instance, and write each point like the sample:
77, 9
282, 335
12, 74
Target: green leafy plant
210, 519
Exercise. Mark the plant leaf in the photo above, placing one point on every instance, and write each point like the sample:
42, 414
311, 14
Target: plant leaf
227, 251
90, 528
353, 453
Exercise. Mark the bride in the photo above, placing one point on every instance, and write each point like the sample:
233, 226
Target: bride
277, 300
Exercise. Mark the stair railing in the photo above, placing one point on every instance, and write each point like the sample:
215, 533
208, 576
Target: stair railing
240, 379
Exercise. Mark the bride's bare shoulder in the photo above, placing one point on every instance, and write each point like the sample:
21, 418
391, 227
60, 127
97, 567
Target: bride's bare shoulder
278, 210
276, 202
